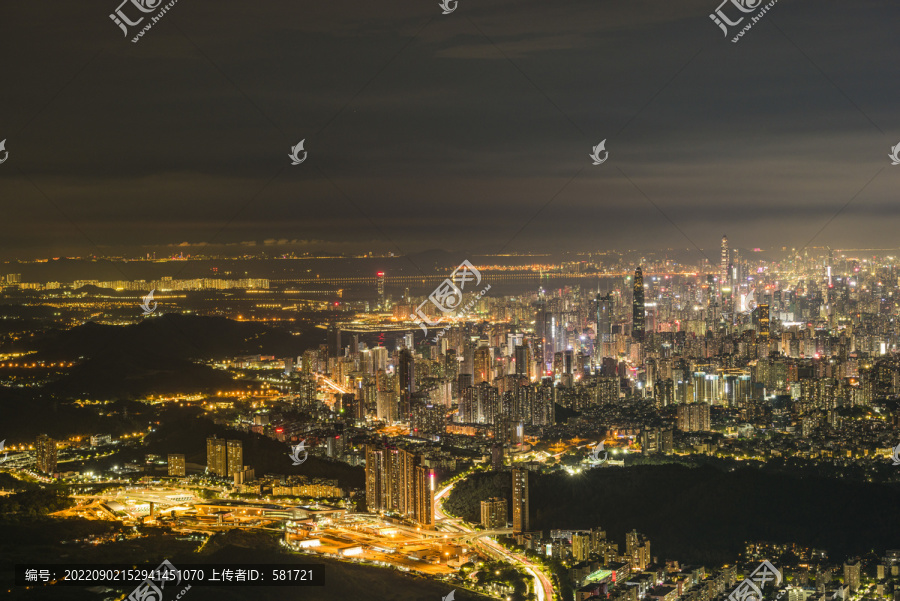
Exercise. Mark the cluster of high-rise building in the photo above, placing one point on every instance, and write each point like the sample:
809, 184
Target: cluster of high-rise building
397, 482
224, 458
817, 331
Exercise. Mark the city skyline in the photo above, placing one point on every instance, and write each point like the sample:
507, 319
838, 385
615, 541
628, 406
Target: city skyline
505, 301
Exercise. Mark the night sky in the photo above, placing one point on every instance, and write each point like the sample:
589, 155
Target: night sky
467, 131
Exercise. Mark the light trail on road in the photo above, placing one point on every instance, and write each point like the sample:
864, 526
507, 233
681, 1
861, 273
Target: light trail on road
543, 588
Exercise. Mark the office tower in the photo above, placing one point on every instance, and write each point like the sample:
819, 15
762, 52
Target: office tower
483, 365
723, 271
334, 341
45, 454
763, 310
851, 574
493, 513
379, 284
563, 363
637, 548
351, 408
603, 319
216, 456
581, 545
637, 309
379, 359
544, 328
406, 370
520, 500
176, 465
523, 361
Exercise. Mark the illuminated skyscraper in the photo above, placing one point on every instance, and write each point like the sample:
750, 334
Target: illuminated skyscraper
520, 503
235, 457
692, 417
637, 309
637, 549
176, 465
723, 271
216, 456
603, 318
379, 282
523, 361
852, 574
45, 454
483, 365
334, 341
493, 513
406, 370
424, 496
763, 321
396, 482
405, 466
581, 545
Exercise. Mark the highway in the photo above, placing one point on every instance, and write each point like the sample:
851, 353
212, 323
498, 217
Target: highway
543, 587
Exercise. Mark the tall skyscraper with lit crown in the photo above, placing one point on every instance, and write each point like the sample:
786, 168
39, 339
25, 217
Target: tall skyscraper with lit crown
723, 271
637, 312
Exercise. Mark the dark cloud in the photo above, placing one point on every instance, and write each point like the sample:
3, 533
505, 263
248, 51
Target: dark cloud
431, 131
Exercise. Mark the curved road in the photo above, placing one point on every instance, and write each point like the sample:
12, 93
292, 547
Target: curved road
542, 586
